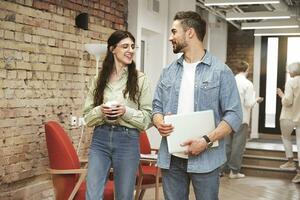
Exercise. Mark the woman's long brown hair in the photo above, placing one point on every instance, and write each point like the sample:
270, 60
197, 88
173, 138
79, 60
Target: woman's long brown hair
107, 69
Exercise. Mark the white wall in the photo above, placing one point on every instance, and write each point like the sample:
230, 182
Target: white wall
256, 81
217, 37
153, 55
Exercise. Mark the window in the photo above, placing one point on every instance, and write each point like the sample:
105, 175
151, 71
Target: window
271, 82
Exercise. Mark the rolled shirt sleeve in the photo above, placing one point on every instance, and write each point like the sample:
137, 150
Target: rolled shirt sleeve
141, 118
249, 99
230, 100
92, 114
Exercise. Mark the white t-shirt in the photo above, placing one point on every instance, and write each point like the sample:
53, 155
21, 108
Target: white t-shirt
247, 95
186, 93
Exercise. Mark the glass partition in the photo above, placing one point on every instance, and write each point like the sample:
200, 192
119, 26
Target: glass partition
293, 50
271, 82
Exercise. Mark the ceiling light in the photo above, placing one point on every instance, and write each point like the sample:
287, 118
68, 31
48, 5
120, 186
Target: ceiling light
238, 2
257, 15
271, 24
277, 32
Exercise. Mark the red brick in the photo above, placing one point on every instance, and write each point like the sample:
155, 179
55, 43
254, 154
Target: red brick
41, 5
45, 78
240, 47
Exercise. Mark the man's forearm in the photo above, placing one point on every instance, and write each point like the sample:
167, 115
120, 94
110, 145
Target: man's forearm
158, 118
220, 132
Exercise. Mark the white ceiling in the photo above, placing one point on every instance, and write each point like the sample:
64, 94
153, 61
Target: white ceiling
256, 13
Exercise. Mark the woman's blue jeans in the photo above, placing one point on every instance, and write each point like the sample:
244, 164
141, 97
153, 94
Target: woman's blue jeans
116, 147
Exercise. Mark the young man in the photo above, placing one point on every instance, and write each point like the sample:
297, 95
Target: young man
235, 143
196, 81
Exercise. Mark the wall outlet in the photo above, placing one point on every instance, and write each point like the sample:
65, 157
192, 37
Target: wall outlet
73, 121
81, 121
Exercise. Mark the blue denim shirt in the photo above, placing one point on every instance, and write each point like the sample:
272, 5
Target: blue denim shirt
215, 89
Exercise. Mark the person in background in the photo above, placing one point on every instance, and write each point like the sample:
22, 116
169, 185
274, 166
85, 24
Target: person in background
290, 116
115, 141
196, 81
235, 143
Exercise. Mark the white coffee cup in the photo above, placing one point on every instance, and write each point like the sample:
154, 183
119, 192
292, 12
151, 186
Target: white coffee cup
112, 105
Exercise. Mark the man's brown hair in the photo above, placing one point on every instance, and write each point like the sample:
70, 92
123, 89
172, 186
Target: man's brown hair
242, 67
191, 19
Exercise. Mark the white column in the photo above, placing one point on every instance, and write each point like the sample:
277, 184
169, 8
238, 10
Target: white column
134, 25
256, 81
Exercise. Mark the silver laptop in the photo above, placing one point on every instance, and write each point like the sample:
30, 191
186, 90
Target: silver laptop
188, 126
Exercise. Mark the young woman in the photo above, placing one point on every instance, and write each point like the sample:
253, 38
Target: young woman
290, 117
115, 141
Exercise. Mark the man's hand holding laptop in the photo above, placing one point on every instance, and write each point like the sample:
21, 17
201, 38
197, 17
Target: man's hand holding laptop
186, 132
195, 146
163, 129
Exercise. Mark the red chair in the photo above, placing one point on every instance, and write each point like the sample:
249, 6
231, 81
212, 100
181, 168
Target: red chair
149, 174
67, 176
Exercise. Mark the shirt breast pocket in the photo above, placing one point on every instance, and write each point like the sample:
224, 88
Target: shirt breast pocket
166, 89
209, 93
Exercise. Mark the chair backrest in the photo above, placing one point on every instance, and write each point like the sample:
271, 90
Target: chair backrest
62, 155
145, 147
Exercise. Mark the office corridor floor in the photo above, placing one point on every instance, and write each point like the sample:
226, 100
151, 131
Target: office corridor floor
250, 188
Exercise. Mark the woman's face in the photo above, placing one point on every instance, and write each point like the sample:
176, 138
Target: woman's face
291, 74
124, 52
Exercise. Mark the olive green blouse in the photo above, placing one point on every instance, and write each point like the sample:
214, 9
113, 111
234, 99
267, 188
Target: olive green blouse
136, 116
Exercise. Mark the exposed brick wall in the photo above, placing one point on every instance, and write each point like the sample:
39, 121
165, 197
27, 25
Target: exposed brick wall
240, 46
44, 73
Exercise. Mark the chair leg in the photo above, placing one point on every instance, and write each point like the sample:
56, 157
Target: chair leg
75, 189
136, 196
139, 184
137, 192
157, 183
141, 196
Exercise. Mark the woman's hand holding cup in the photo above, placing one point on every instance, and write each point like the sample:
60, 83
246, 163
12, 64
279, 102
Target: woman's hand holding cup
112, 110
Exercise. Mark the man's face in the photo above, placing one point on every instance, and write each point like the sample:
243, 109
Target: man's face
247, 72
178, 37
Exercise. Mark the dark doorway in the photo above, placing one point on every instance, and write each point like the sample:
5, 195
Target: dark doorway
276, 53
272, 76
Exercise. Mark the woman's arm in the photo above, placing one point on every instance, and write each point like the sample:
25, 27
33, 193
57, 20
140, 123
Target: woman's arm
92, 115
287, 98
141, 118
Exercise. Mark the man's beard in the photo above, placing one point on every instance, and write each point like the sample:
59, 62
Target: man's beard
179, 46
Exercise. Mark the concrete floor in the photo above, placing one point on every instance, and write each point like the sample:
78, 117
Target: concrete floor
249, 188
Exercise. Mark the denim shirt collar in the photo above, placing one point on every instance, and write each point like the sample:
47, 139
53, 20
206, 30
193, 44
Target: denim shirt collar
207, 59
